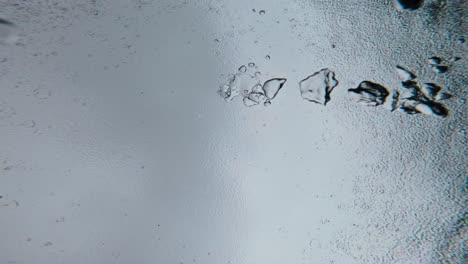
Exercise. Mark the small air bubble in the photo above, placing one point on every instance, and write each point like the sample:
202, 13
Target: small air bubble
409, 84
455, 59
409, 5
440, 68
393, 100
242, 69
404, 74
267, 103
254, 98
267, 57
47, 244
251, 64
262, 12
431, 90
431, 108
257, 89
249, 102
434, 60
443, 96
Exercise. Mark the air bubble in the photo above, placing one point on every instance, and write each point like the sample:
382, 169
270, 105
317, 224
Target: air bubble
434, 60
224, 91
267, 57
417, 100
242, 69
440, 68
393, 100
262, 12
409, 84
431, 90
405, 74
273, 86
251, 64
410, 93
257, 89
236, 85
443, 96
408, 5
370, 93
318, 86
249, 102
414, 106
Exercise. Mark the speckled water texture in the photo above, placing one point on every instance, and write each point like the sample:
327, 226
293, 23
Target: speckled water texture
116, 148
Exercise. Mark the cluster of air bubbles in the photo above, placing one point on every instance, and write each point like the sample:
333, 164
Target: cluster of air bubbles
440, 65
414, 98
261, 12
247, 86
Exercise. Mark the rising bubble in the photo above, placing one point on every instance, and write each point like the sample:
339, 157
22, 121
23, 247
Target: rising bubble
318, 86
